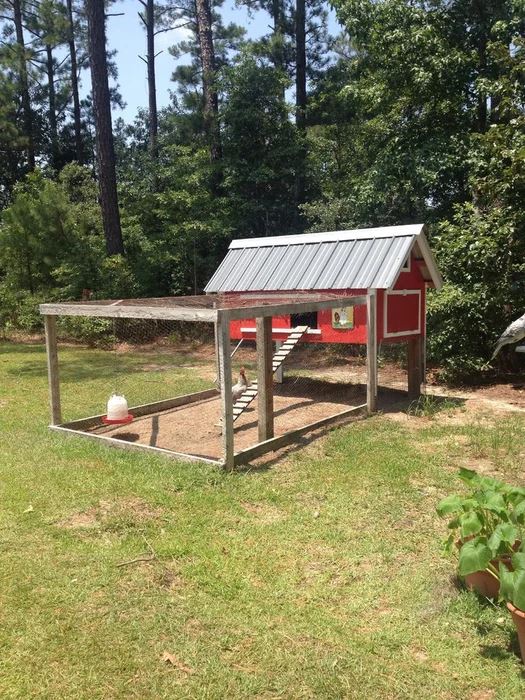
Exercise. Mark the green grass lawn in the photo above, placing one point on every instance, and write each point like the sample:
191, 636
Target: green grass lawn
320, 577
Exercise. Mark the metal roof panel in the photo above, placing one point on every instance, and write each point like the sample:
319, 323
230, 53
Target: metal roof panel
220, 276
366, 259
386, 274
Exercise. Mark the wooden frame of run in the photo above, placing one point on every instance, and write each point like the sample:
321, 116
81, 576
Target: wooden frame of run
201, 309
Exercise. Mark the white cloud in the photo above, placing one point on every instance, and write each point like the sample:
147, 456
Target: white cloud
166, 39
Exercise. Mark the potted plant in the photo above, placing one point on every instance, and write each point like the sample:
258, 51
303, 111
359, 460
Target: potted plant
485, 526
512, 591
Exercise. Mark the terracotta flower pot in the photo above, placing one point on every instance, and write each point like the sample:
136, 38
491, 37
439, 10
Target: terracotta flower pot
483, 582
519, 620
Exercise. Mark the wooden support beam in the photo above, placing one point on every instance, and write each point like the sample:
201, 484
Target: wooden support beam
424, 363
371, 351
217, 359
223, 322
189, 313
50, 325
143, 410
265, 377
279, 374
166, 313
275, 443
414, 365
285, 308
134, 446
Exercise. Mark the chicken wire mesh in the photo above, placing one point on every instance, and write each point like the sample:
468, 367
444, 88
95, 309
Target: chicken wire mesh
313, 382
144, 360
149, 361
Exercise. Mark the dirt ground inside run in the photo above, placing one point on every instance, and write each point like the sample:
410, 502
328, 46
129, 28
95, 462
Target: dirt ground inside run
315, 387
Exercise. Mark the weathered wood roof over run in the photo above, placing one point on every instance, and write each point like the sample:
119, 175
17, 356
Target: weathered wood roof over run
359, 259
207, 308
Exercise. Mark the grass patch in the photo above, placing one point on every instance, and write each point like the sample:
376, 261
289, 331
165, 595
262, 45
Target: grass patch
319, 578
429, 405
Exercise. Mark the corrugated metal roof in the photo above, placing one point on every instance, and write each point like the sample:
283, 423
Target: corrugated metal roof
361, 259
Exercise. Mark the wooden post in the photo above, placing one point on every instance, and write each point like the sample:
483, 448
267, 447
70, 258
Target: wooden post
371, 351
50, 324
217, 358
424, 364
264, 377
414, 358
223, 324
279, 375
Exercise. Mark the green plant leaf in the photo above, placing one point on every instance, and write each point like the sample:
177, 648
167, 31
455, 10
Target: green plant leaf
454, 523
469, 476
447, 546
516, 496
504, 533
518, 561
494, 502
519, 589
473, 556
519, 511
506, 581
448, 505
470, 524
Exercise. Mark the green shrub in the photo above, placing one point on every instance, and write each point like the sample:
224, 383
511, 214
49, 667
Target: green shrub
19, 310
92, 331
459, 327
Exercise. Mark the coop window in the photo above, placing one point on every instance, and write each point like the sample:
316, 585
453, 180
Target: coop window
308, 319
406, 265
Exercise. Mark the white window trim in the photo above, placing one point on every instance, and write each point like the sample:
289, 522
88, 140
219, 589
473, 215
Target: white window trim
408, 267
287, 331
400, 292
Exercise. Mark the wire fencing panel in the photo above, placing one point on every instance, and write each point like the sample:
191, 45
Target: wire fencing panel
151, 360
144, 360
318, 381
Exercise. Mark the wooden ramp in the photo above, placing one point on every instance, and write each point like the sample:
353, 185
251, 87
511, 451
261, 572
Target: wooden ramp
280, 356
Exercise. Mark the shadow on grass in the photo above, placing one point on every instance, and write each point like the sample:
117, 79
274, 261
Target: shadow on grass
8, 348
497, 652
85, 367
271, 459
458, 583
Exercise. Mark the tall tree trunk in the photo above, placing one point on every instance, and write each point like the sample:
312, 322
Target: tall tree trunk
52, 111
300, 92
152, 90
103, 128
211, 99
79, 149
24, 84
279, 34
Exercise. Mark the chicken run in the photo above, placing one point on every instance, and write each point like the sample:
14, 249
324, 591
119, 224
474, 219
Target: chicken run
280, 299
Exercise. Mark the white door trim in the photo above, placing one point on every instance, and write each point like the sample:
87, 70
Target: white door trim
400, 292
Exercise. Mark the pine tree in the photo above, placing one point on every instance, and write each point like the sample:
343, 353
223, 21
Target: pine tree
12, 11
75, 94
103, 126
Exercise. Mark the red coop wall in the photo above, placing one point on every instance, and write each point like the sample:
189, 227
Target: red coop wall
400, 315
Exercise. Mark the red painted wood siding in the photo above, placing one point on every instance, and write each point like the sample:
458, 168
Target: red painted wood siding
402, 315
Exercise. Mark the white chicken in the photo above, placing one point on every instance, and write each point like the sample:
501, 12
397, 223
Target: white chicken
512, 334
241, 386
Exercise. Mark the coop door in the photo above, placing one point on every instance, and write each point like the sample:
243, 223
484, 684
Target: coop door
402, 313
308, 319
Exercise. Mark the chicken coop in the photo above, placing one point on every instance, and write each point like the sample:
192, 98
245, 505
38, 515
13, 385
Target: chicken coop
362, 287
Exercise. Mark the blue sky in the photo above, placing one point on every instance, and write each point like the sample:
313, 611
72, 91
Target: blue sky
125, 34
